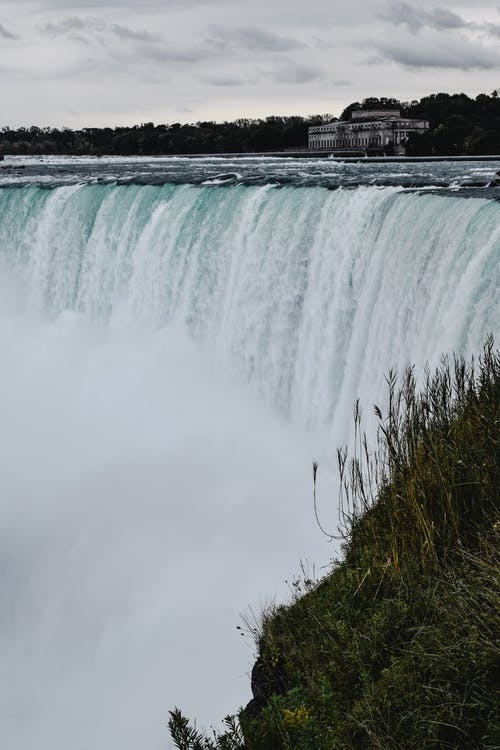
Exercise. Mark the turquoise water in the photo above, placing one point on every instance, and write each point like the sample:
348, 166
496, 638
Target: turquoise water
303, 293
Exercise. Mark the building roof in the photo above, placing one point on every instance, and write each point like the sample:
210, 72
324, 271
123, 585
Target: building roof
375, 114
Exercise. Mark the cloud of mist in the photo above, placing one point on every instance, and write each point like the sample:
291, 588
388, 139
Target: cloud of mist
146, 504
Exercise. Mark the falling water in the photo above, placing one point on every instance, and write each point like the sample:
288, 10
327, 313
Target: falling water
172, 356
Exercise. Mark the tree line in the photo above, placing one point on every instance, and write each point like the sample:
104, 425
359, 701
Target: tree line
458, 125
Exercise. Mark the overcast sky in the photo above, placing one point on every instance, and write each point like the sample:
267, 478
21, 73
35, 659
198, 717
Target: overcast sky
111, 62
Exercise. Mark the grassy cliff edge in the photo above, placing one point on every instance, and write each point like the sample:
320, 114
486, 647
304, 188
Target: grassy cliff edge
398, 647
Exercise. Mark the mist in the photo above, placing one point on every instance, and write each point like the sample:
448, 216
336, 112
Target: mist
146, 505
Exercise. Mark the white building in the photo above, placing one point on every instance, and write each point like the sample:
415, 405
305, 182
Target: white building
367, 129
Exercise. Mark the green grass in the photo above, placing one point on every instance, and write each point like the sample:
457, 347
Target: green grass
398, 647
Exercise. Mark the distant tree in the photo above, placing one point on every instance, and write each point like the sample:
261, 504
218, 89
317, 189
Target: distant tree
458, 125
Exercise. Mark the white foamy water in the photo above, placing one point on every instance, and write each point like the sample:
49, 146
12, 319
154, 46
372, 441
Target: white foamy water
172, 356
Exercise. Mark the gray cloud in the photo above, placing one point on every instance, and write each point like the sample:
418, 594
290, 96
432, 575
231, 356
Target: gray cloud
136, 35
458, 53
376, 60
415, 18
251, 38
231, 58
292, 72
93, 25
63, 5
439, 19
493, 29
223, 81
169, 54
6, 34
147, 45
70, 25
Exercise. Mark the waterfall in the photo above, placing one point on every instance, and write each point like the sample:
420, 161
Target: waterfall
306, 294
173, 356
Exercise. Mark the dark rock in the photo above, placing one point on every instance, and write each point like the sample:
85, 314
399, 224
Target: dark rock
266, 681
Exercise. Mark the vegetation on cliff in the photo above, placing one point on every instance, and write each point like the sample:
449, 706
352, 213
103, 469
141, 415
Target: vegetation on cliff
398, 647
458, 125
